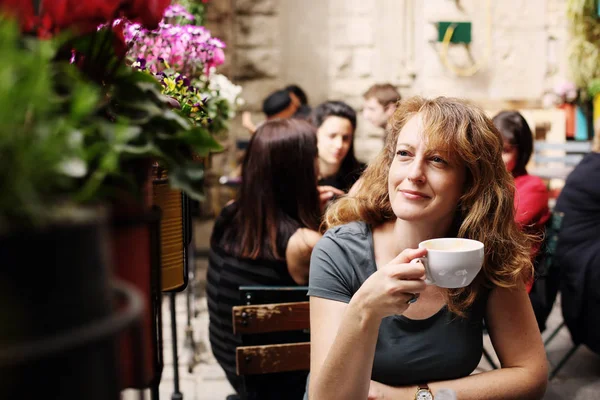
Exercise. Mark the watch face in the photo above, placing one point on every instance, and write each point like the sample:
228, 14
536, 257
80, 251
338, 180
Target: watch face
424, 394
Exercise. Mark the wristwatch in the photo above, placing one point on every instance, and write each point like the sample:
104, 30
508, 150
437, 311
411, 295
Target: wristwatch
423, 392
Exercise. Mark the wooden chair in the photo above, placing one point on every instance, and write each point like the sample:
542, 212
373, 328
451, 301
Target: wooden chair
271, 309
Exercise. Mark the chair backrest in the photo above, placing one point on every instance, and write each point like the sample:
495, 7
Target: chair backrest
547, 252
568, 153
253, 320
557, 160
545, 287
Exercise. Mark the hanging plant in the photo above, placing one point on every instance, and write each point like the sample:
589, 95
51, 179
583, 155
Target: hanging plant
584, 46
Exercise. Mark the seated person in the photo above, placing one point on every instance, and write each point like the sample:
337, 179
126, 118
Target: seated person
531, 195
278, 105
378, 331
336, 123
578, 250
265, 237
380, 104
299, 97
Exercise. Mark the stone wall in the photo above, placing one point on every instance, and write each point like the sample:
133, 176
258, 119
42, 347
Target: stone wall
336, 49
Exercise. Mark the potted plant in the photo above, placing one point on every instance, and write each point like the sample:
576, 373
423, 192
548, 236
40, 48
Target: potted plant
53, 251
121, 124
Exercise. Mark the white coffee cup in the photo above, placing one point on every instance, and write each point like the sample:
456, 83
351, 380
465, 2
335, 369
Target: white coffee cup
451, 262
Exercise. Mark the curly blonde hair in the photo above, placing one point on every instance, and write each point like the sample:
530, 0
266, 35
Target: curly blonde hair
486, 208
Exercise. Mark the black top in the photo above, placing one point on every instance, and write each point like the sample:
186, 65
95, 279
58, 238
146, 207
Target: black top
408, 351
578, 251
342, 181
226, 273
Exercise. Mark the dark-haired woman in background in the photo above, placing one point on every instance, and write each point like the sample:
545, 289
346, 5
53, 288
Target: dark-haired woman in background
336, 124
265, 237
531, 195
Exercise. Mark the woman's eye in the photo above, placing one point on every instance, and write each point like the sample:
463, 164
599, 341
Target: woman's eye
402, 153
437, 159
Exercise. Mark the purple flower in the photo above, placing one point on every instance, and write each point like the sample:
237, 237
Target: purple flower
188, 49
177, 10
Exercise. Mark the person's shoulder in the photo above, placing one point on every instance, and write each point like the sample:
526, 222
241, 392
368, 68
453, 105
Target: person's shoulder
352, 229
530, 182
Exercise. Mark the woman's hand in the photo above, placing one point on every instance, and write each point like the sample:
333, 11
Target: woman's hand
326, 193
388, 290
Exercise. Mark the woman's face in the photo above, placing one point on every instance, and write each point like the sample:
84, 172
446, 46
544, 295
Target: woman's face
509, 155
422, 183
334, 138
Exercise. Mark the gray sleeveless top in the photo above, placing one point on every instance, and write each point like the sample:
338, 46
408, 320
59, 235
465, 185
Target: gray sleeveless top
408, 352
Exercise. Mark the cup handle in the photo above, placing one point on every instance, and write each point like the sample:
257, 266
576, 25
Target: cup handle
428, 277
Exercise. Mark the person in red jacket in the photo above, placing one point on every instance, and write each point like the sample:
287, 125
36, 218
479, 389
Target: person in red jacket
531, 195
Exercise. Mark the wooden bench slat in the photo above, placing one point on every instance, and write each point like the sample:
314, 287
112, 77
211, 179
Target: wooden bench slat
271, 317
267, 359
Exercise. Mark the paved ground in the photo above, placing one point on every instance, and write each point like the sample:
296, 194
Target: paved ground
578, 380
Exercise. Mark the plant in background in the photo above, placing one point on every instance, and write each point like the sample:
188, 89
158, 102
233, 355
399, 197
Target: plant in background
188, 49
183, 58
75, 115
196, 8
45, 110
563, 92
584, 46
222, 99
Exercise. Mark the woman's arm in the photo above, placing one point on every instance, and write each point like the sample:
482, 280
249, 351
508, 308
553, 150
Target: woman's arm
339, 330
343, 337
518, 343
297, 253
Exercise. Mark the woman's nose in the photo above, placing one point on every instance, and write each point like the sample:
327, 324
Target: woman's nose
417, 172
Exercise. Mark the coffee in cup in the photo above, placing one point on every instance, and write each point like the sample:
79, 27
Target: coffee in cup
451, 262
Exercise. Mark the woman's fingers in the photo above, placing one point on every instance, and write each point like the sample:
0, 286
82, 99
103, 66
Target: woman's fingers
408, 255
405, 271
408, 287
330, 189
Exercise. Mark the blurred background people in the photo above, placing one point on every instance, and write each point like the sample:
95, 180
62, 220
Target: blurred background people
531, 194
279, 104
336, 123
380, 103
299, 97
578, 250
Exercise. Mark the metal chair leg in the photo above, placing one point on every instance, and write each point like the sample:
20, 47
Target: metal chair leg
563, 361
554, 333
489, 359
177, 395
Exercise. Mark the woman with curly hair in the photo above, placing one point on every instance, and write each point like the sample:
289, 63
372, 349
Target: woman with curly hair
440, 174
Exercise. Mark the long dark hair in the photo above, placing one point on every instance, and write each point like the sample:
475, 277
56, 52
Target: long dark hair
516, 131
351, 167
278, 193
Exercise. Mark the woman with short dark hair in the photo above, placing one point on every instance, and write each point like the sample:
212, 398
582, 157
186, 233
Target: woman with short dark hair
265, 237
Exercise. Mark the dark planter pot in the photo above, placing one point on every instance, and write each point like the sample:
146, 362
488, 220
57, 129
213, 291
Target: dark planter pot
135, 248
52, 282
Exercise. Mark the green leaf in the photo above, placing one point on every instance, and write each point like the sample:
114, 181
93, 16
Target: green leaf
201, 141
127, 133
146, 149
179, 179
